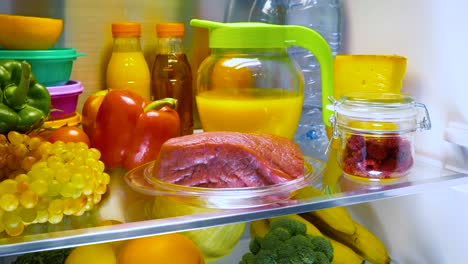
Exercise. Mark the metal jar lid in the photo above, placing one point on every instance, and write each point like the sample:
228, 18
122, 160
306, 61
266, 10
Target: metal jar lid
379, 113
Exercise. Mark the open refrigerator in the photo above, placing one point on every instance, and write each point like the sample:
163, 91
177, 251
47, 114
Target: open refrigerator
423, 221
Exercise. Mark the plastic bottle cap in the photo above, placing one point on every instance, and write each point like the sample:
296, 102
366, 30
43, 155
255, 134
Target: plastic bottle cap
126, 29
170, 29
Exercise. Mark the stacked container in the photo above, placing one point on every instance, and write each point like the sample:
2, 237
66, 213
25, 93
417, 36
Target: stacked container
52, 67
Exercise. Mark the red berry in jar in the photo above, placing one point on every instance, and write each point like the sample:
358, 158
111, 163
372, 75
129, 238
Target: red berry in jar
376, 132
380, 156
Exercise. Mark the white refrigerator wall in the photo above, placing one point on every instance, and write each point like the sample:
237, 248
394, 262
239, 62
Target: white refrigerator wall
432, 35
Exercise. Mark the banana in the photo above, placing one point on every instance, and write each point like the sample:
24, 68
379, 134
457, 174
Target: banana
341, 253
363, 242
259, 228
337, 217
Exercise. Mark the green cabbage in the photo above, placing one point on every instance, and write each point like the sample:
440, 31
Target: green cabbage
214, 242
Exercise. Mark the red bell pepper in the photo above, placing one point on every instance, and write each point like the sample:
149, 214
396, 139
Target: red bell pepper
90, 110
130, 131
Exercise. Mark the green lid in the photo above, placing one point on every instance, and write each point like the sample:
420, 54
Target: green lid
248, 34
54, 53
261, 35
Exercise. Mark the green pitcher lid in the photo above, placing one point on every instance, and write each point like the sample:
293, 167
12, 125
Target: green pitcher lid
246, 34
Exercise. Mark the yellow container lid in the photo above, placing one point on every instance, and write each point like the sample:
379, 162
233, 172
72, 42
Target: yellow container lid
74, 120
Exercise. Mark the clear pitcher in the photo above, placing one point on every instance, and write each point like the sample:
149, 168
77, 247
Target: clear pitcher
250, 84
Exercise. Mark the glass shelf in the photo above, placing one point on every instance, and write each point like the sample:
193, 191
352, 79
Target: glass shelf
134, 210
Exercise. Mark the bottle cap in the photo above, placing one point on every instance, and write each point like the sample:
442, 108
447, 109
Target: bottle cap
126, 29
170, 29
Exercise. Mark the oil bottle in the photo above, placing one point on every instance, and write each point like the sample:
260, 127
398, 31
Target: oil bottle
171, 74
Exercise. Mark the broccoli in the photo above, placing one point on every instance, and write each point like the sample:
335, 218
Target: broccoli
57, 256
287, 243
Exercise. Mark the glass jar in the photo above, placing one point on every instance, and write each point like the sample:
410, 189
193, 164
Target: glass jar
376, 134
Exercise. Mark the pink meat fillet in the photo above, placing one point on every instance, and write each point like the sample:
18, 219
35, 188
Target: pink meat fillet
228, 160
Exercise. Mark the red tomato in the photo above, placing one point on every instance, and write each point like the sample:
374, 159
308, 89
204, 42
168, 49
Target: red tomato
69, 134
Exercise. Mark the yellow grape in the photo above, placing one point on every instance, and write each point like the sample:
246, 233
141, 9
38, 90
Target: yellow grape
56, 207
55, 163
101, 189
68, 189
13, 224
47, 181
43, 203
33, 143
88, 188
3, 161
96, 198
44, 149
94, 153
22, 186
12, 162
42, 216
28, 215
68, 206
22, 178
9, 202
39, 186
15, 138
78, 180
55, 219
3, 148
20, 150
54, 188
8, 186
28, 199
63, 177
3, 139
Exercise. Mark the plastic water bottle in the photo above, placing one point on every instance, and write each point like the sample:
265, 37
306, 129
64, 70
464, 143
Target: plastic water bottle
323, 16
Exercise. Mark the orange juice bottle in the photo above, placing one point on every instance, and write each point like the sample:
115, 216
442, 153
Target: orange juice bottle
127, 68
172, 74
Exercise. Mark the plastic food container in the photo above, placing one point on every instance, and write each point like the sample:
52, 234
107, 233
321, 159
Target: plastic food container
50, 67
376, 134
64, 99
140, 179
74, 120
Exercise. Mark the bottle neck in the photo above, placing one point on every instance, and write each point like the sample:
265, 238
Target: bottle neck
170, 45
126, 44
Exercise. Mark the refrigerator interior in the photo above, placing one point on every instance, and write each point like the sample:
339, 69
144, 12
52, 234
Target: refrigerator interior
426, 228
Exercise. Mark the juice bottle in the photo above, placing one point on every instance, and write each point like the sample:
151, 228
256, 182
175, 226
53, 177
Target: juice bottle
172, 75
127, 68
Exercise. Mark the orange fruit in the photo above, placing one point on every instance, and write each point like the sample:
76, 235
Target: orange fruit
92, 254
232, 73
161, 249
28, 32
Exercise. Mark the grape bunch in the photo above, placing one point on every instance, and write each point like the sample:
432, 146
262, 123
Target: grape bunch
42, 181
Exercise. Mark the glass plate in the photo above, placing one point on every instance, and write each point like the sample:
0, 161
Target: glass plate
224, 198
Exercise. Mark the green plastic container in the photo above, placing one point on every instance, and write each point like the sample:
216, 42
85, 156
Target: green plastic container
51, 67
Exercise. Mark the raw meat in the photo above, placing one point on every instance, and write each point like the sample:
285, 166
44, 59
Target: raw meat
228, 159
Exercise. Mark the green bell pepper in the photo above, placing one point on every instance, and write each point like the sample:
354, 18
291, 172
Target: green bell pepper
24, 103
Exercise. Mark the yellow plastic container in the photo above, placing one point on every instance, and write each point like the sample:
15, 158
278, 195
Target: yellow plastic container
29, 32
